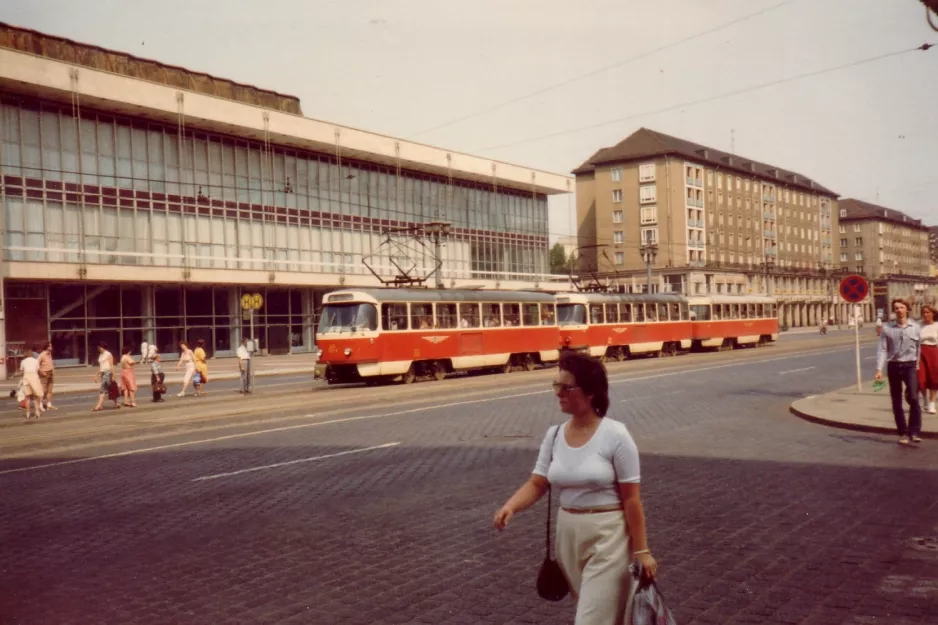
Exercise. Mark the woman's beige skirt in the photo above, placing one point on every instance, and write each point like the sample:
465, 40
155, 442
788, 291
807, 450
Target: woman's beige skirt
593, 550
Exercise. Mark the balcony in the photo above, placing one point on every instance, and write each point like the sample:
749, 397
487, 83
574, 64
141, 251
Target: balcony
700, 203
690, 181
771, 251
769, 234
769, 215
699, 182
700, 223
691, 202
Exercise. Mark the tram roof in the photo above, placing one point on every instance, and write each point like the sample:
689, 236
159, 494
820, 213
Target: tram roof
444, 295
611, 298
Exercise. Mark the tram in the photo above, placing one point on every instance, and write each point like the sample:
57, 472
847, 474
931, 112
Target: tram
619, 326
729, 321
380, 335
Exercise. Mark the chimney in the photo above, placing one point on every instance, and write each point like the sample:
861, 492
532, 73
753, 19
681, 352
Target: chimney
704, 153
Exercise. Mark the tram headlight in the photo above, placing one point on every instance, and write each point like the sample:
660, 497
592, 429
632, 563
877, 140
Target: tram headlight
348, 351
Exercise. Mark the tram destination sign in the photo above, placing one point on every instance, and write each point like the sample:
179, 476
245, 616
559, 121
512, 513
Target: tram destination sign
854, 288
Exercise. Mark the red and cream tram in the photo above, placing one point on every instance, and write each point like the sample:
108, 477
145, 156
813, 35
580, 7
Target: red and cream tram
617, 326
729, 321
375, 335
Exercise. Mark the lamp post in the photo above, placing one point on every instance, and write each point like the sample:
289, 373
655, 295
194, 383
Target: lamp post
649, 252
768, 265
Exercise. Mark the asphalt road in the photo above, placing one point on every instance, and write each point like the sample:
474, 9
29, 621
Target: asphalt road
304, 504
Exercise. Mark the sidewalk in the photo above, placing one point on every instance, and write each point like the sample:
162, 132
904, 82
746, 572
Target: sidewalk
81, 379
864, 411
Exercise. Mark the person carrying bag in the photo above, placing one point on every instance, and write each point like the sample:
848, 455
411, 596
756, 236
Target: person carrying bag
594, 463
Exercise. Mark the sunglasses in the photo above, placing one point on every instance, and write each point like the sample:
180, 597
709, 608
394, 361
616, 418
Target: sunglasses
567, 388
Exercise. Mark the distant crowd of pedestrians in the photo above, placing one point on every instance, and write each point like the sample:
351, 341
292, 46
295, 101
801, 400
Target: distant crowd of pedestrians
117, 379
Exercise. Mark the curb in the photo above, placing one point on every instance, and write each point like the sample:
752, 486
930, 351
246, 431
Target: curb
856, 427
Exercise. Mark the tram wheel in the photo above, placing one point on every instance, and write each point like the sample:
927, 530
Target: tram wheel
507, 367
528, 362
668, 350
409, 376
439, 370
620, 354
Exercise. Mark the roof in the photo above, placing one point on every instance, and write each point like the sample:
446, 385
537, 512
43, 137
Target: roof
858, 209
440, 295
645, 143
96, 57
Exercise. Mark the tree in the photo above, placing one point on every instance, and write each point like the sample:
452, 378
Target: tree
559, 262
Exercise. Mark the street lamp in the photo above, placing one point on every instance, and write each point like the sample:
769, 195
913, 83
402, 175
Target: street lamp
649, 252
768, 265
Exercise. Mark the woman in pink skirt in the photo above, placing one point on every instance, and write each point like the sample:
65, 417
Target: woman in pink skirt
128, 379
928, 363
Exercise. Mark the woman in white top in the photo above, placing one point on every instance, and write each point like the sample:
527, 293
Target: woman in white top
188, 359
928, 361
105, 375
593, 461
32, 385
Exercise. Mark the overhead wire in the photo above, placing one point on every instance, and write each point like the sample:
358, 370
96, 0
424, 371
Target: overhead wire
713, 98
602, 70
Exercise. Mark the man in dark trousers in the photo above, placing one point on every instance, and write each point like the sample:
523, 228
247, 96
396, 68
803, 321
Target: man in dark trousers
899, 345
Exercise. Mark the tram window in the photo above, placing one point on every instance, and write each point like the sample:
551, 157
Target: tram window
530, 315
742, 312
726, 311
469, 316
446, 316
596, 313
548, 317
639, 312
734, 311
650, 313
760, 310
394, 317
492, 315
752, 310
421, 316
625, 313
702, 312
773, 311
662, 312
717, 313
675, 310
612, 313
685, 311
512, 314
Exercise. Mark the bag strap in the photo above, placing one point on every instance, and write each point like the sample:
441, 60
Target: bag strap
549, 489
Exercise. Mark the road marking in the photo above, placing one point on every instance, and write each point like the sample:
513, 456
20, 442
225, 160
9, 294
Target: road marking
652, 396
869, 358
277, 465
286, 428
795, 370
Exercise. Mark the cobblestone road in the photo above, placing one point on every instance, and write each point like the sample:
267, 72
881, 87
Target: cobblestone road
756, 516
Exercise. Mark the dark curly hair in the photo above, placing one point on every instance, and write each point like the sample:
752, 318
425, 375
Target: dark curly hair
590, 376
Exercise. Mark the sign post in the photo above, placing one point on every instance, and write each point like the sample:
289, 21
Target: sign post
855, 289
251, 303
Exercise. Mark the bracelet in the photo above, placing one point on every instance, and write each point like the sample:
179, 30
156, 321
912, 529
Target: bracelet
641, 551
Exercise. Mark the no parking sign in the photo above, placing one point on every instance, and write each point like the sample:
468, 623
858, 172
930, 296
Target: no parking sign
855, 289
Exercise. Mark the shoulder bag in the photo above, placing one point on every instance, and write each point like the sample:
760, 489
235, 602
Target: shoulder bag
551, 582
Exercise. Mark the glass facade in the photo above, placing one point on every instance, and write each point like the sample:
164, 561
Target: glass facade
102, 189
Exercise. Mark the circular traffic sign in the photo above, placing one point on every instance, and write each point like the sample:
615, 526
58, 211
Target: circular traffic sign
246, 302
257, 301
854, 288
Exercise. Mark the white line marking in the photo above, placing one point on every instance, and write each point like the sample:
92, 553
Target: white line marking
288, 463
652, 396
132, 452
869, 358
795, 370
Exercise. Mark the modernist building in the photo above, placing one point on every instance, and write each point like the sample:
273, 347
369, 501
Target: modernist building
710, 222
141, 200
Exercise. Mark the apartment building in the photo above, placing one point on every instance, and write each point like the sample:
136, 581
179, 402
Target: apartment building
717, 223
877, 241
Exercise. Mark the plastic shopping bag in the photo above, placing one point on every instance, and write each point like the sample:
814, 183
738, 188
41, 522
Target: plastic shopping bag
646, 606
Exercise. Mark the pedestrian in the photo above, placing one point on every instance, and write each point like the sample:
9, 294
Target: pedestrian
928, 363
201, 366
899, 346
593, 462
186, 358
32, 384
128, 378
157, 376
244, 364
47, 375
105, 376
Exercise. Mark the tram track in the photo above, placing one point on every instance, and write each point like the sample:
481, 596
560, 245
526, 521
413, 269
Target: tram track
229, 413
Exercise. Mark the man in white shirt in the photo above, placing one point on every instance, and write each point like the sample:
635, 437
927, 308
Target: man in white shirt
244, 364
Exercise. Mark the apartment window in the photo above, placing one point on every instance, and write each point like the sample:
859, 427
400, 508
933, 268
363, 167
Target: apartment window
720, 180
618, 237
649, 214
843, 243
843, 212
646, 172
650, 236
709, 177
620, 258
616, 174
859, 241
747, 186
720, 197
647, 193
739, 183
856, 227
843, 257
617, 195
617, 217
858, 256
843, 229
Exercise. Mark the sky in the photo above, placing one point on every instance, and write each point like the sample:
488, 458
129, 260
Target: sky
407, 68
